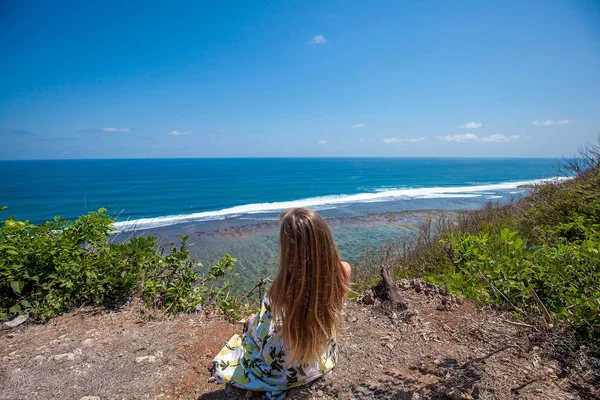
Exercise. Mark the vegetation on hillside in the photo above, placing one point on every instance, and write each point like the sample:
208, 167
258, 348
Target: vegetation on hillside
46, 269
536, 257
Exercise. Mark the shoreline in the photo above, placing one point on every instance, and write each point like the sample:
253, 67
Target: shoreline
254, 241
324, 203
252, 238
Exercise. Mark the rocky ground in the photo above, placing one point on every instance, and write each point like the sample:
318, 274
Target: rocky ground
440, 348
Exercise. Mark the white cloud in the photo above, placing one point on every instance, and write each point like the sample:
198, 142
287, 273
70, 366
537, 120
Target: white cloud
322, 142
115, 129
471, 125
357, 126
407, 140
550, 122
497, 138
468, 137
459, 138
179, 133
319, 39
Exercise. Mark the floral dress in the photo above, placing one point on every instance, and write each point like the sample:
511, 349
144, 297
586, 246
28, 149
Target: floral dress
257, 360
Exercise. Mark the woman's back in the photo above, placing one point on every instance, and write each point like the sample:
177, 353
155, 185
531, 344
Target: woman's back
309, 291
292, 340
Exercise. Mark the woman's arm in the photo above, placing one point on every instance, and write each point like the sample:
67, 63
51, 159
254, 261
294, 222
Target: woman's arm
347, 270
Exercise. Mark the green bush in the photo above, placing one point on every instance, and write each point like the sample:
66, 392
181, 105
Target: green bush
538, 255
46, 269
502, 269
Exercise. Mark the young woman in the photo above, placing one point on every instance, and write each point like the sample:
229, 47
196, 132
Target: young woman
292, 340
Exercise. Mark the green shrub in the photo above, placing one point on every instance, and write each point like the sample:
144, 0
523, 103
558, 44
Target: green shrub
503, 270
534, 255
46, 269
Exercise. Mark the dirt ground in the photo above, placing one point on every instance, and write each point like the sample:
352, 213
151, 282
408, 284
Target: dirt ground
441, 348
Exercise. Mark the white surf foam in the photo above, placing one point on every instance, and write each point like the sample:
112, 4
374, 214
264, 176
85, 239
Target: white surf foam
324, 202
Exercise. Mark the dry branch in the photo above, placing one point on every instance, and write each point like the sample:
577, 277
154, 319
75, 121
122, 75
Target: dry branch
547, 316
260, 283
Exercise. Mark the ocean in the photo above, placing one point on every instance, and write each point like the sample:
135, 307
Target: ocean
231, 205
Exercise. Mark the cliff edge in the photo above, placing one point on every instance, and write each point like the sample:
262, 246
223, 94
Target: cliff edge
440, 347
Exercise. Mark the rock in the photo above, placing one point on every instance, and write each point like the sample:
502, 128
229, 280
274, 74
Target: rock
389, 346
403, 284
59, 357
39, 358
10, 335
199, 308
457, 394
416, 284
20, 319
437, 362
90, 398
88, 343
143, 359
78, 352
149, 359
368, 298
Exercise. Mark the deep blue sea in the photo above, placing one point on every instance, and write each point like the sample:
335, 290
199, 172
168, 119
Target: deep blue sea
161, 192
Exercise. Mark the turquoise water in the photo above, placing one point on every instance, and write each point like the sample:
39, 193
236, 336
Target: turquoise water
150, 193
231, 206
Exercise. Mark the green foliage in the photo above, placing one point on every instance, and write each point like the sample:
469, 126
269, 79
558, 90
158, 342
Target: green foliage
538, 256
503, 270
171, 284
46, 269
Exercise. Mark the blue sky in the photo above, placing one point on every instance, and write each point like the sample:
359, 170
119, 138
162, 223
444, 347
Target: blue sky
308, 78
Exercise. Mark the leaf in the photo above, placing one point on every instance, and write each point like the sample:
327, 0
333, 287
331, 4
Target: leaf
15, 309
17, 286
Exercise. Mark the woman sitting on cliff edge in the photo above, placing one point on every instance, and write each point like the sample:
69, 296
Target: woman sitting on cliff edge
291, 341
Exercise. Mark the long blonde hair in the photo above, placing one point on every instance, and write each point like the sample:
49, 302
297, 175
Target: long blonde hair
310, 288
